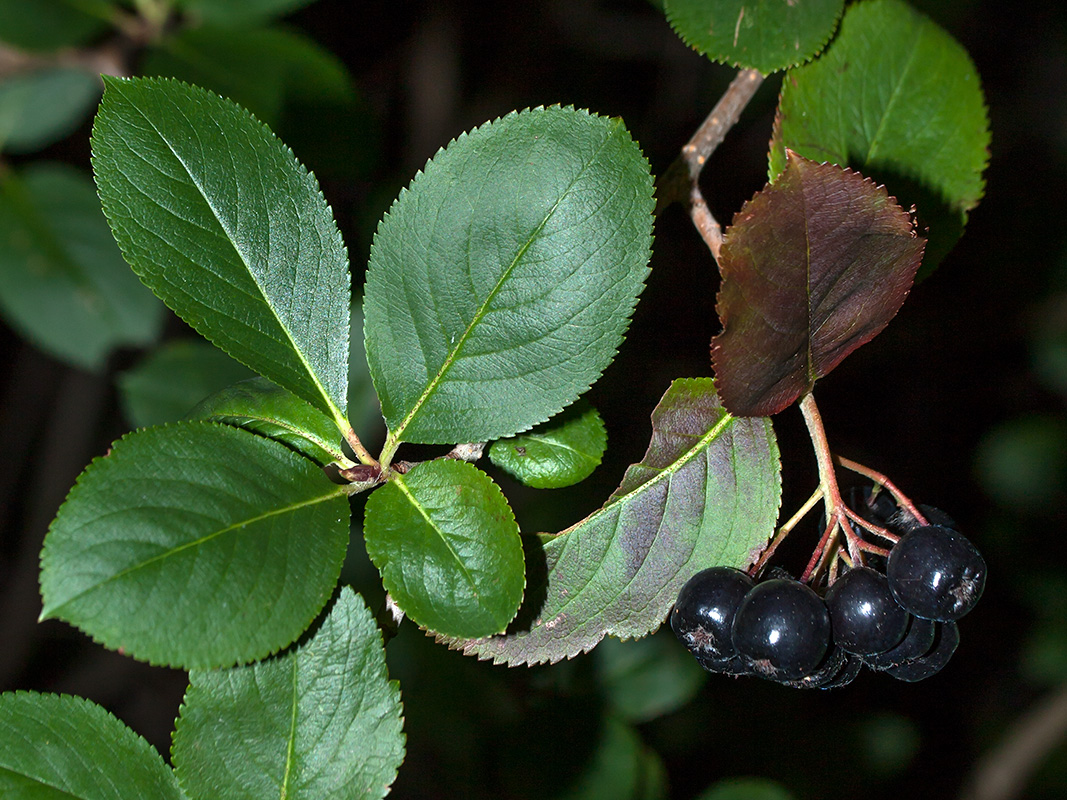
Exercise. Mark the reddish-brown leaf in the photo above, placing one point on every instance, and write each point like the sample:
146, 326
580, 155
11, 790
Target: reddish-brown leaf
813, 266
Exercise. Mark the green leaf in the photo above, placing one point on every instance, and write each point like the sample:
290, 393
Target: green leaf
814, 266
706, 493
916, 118
54, 747
622, 768
51, 24
447, 545
501, 281
199, 194
746, 789
321, 722
195, 545
647, 678
767, 35
240, 13
259, 406
167, 383
63, 283
43, 105
558, 453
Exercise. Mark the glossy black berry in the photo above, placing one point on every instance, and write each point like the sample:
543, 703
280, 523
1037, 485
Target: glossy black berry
865, 617
703, 615
936, 572
948, 638
916, 643
783, 629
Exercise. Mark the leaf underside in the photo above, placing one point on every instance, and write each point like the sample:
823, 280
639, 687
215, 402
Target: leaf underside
768, 35
813, 266
195, 545
896, 98
220, 220
321, 721
706, 493
501, 281
446, 543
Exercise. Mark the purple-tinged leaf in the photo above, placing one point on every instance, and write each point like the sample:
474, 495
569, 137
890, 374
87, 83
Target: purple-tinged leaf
813, 266
706, 493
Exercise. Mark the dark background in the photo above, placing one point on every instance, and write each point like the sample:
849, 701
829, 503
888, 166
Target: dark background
926, 403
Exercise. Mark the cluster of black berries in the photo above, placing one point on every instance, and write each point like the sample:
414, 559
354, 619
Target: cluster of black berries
902, 622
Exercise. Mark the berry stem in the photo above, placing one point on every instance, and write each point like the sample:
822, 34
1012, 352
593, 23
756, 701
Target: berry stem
783, 531
902, 499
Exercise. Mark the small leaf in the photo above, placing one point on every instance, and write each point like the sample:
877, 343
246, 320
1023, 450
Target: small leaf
52, 24
321, 722
259, 406
706, 493
240, 13
195, 545
916, 118
501, 281
558, 453
446, 543
63, 283
55, 746
814, 266
42, 105
769, 35
200, 194
167, 383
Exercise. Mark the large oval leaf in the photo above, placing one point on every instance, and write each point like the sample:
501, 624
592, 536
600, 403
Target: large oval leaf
195, 545
813, 266
63, 283
501, 281
220, 220
916, 118
768, 35
319, 723
447, 545
706, 493
54, 747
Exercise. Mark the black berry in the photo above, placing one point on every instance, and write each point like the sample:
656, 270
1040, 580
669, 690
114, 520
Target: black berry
783, 629
703, 615
916, 643
936, 573
865, 617
948, 638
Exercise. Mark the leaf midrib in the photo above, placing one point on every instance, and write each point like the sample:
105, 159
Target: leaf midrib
48, 613
335, 412
397, 435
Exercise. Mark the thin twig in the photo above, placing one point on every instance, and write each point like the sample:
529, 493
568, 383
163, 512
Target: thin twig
681, 182
784, 531
902, 499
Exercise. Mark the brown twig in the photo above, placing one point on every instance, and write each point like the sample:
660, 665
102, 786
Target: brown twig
682, 179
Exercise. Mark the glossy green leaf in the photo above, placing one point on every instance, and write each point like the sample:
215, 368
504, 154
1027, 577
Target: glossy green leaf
56, 747
814, 266
51, 24
448, 548
43, 105
321, 722
238, 13
767, 35
63, 283
557, 453
260, 406
746, 789
167, 383
706, 493
645, 679
898, 99
200, 194
501, 281
195, 545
